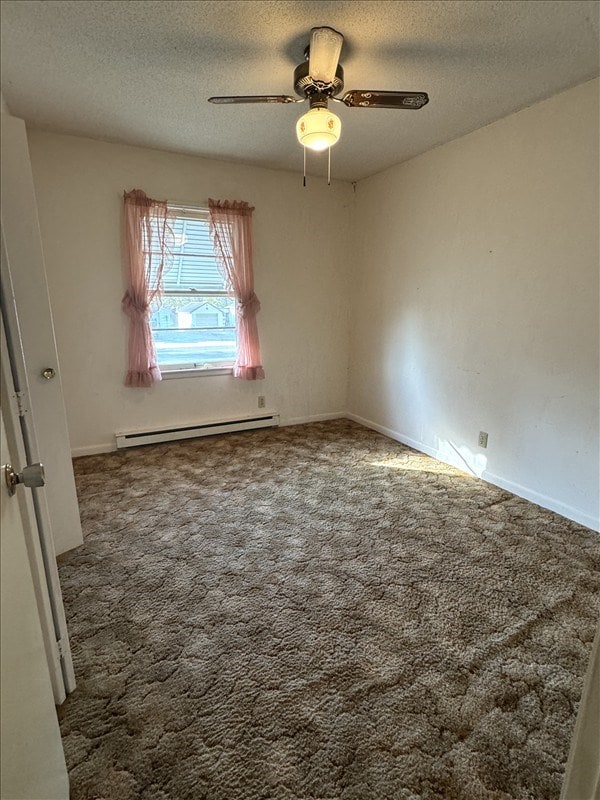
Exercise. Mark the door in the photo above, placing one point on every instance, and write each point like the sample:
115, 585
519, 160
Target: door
24, 271
32, 759
23, 445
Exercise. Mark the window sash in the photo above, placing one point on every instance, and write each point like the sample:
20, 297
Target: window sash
196, 366
178, 254
207, 328
208, 258
196, 293
197, 268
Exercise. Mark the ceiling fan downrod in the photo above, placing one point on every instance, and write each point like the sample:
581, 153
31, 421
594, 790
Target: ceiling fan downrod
305, 86
319, 79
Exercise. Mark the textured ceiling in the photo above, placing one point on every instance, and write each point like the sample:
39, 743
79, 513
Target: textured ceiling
141, 72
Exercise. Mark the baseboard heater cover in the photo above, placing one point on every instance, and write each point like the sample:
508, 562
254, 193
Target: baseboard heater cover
136, 438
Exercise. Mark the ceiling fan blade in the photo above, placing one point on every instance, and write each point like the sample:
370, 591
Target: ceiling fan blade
367, 98
254, 98
324, 54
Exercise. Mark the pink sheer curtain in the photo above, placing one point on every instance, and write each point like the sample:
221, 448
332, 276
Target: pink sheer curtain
146, 231
231, 229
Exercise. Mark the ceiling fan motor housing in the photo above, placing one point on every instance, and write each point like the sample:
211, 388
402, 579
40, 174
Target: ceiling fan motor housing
305, 86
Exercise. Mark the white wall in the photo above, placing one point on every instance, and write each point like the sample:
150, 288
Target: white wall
475, 302
300, 259
472, 271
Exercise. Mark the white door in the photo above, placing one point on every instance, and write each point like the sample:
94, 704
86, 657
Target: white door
23, 443
24, 270
31, 754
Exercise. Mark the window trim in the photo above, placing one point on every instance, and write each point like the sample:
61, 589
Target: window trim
170, 374
187, 210
171, 371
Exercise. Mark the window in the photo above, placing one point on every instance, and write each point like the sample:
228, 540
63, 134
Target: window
193, 323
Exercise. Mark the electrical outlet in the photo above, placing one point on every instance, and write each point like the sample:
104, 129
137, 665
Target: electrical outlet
483, 437
261, 401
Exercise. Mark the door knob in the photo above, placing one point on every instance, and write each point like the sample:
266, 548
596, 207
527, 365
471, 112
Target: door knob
32, 476
48, 373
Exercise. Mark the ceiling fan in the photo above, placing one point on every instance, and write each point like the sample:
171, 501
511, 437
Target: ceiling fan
320, 79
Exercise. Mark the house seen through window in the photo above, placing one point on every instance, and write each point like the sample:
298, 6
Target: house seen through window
193, 323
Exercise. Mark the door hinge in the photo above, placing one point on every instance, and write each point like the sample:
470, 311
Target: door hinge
60, 647
22, 399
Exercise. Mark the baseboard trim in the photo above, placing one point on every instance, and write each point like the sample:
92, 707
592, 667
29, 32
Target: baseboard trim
550, 503
93, 450
313, 418
398, 437
111, 447
574, 514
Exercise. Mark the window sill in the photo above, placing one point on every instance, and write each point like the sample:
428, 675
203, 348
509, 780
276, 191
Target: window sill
171, 374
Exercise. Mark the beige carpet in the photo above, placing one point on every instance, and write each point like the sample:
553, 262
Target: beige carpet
319, 612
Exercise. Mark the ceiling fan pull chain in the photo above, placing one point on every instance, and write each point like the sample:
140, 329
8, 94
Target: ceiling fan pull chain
304, 173
319, 79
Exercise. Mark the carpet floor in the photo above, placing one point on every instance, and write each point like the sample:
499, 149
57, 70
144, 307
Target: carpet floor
319, 613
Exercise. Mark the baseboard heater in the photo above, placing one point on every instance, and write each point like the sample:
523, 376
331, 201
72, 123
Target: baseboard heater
136, 438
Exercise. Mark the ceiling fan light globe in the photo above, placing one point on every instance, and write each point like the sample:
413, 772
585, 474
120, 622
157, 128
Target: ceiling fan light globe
318, 145
318, 129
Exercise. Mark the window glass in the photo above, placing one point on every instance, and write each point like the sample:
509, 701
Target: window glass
193, 324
